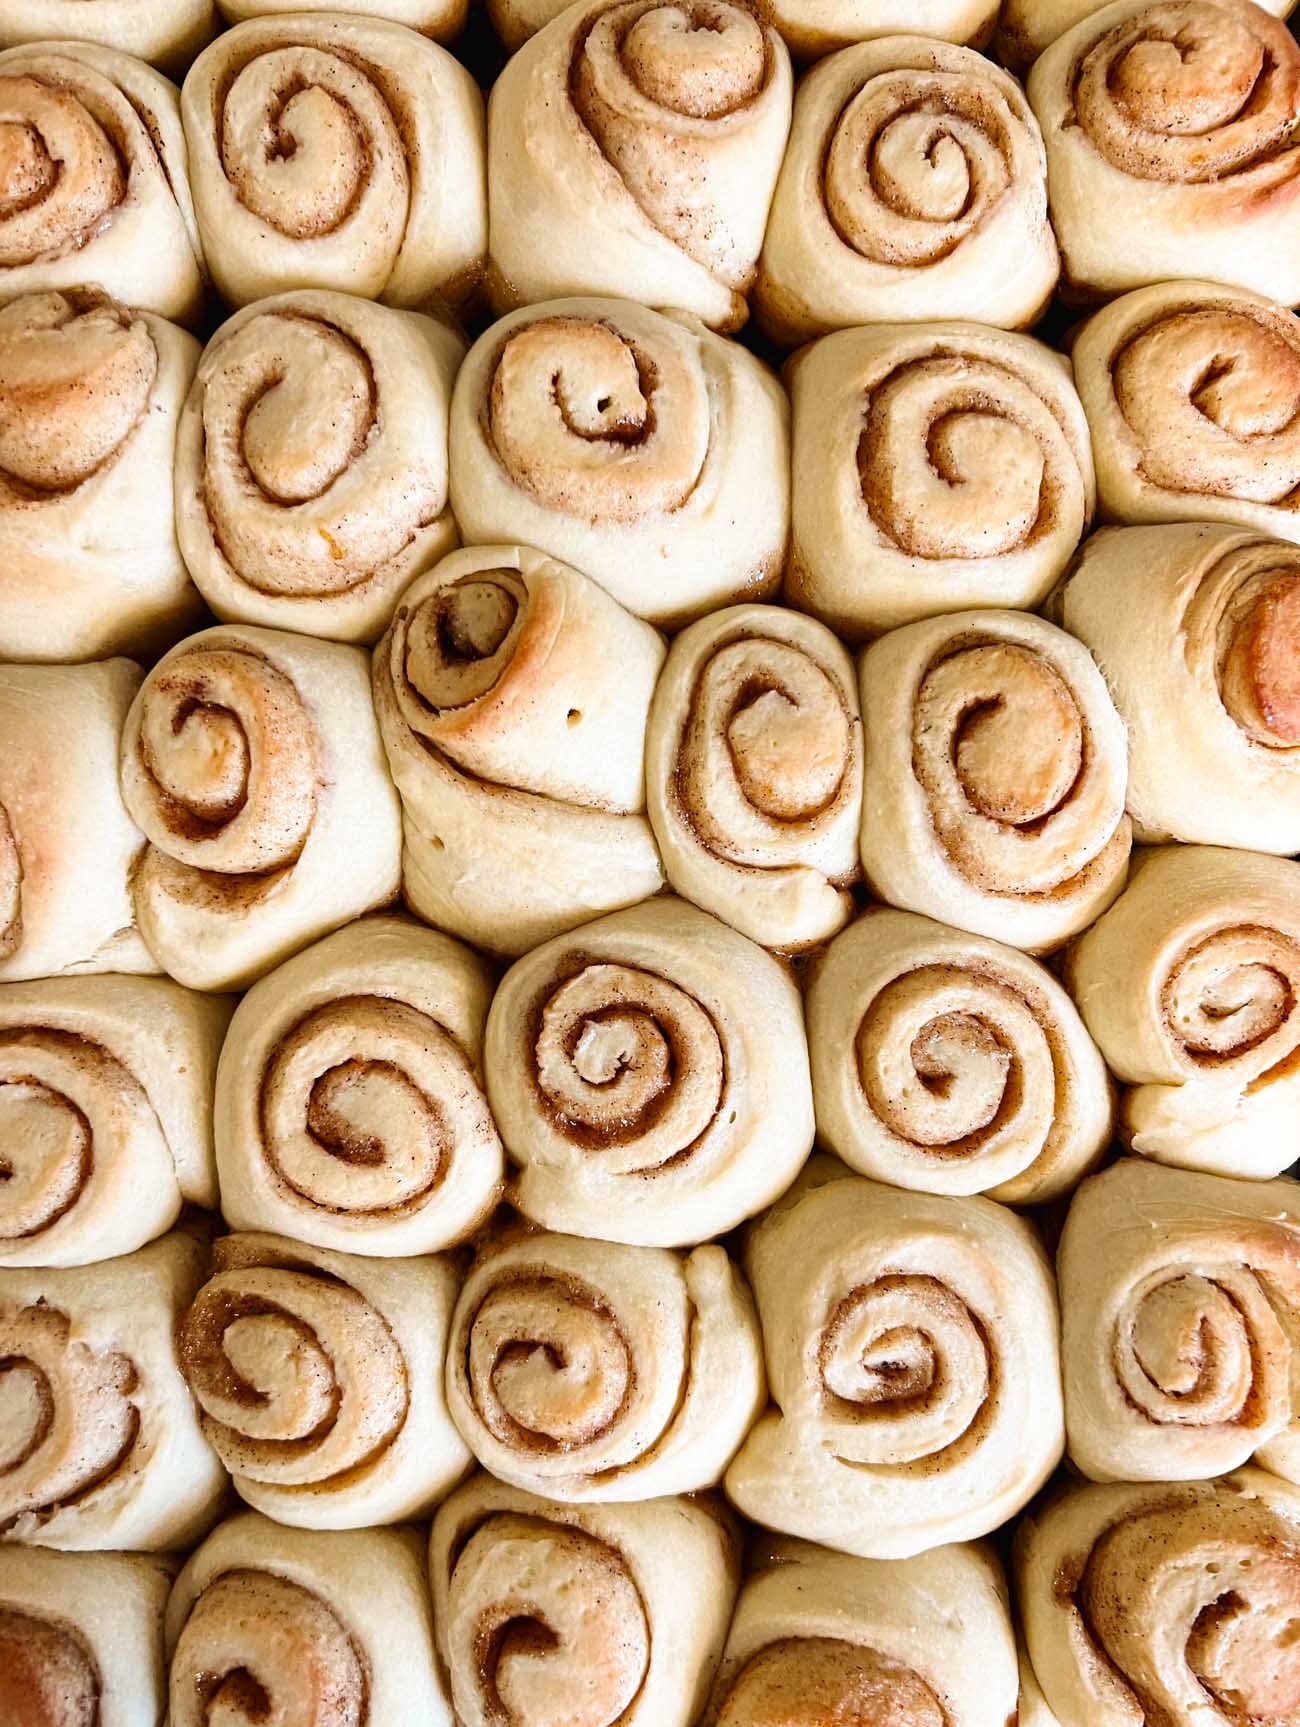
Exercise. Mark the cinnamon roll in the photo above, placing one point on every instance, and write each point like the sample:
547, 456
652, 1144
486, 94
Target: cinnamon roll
820, 1637
814, 27
1197, 629
252, 762
650, 1077
1180, 1302
167, 33
1165, 1606
337, 151
1189, 984
295, 1626
81, 1639
911, 1345
594, 1615
311, 467
934, 467
1026, 27
441, 19
100, 1446
512, 696
914, 188
318, 1378
1193, 395
996, 771
951, 1064
639, 447
67, 845
349, 1106
94, 183
603, 1373
105, 1114
633, 149
1171, 146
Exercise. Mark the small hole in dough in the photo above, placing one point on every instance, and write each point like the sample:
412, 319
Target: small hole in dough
575, 716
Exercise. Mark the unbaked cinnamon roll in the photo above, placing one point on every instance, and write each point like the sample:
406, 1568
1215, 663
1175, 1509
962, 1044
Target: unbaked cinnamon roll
754, 773
337, 151
1026, 27
641, 448
1165, 1606
167, 33
100, 1446
819, 1637
252, 762
441, 19
105, 1114
914, 188
814, 27
81, 1638
349, 1106
68, 848
94, 184
671, 1371
951, 1064
594, 1615
512, 695
1189, 984
296, 1626
934, 467
311, 467
318, 1378
1197, 631
996, 771
633, 148
650, 1078
911, 1345
1171, 146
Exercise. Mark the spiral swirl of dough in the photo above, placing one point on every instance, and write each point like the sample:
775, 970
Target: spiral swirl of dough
337, 152
1026, 27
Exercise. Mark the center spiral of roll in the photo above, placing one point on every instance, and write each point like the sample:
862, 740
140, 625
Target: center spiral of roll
698, 58
808, 1681
461, 638
1232, 998
1257, 648
62, 173
47, 1142
47, 1675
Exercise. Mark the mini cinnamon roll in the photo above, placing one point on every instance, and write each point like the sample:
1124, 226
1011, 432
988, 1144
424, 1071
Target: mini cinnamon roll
649, 1073
337, 151
100, 1446
914, 188
1026, 27
1171, 146
1189, 984
311, 466
252, 762
441, 19
637, 446
512, 695
594, 1615
94, 178
934, 467
996, 771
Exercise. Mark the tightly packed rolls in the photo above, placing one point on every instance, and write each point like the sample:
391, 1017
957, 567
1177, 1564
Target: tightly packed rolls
101, 1446
934, 467
1171, 148
94, 180
633, 147
105, 1114
1190, 985
754, 773
311, 467
951, 1064
252, 762
649, 1075
67, 846
914, 187
441, 19
814, 27
641, 448
349, 1106
81, 1638
168, 33
1180, 1302
1166, 1606
593, 1372
820, 1637
512, 695
333, 151
1193, 395
1026, 27
996, 770
594, 1615
1197, 630
294, 1626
